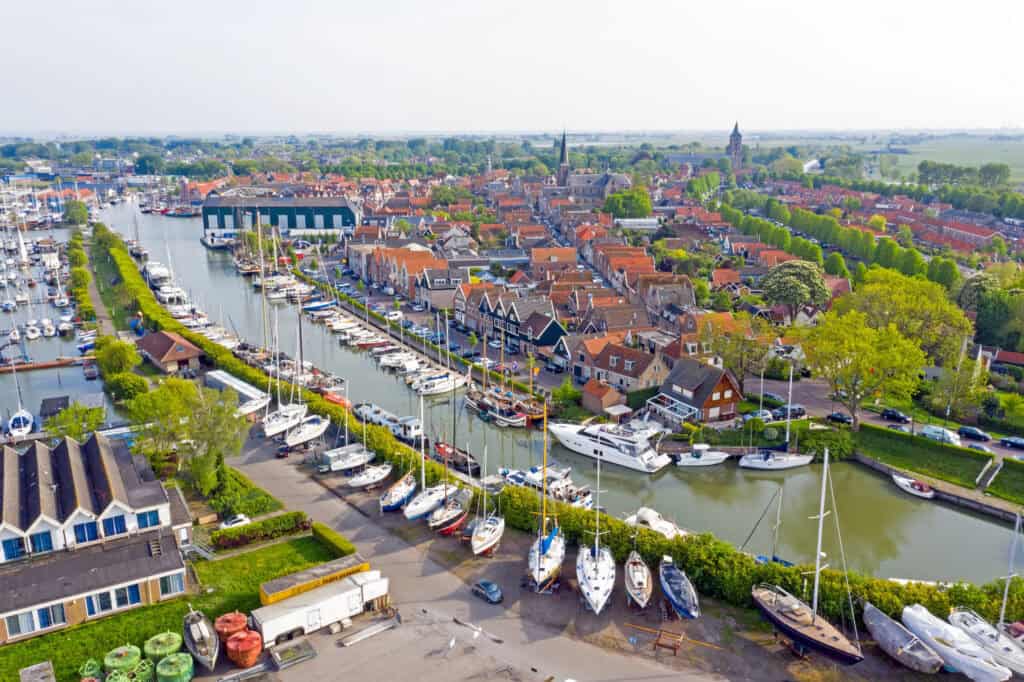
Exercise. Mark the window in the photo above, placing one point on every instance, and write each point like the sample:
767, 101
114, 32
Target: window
687, 393
20, 624
728, 393
172, 584
691, 348
41, 542
706, 346
716, 396
86, 532
149, 519
628, 365
582, 358
50, 616
13, 548
613, 361
115, 525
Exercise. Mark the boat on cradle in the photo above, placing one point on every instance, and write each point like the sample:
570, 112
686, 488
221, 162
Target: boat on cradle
900, 643
639, 581
914, 487
645, 517
399, 494
426, 501
1002, 648
595, 566
487, 529
310, 428
456, 458
544, 560
621, 445
370, 476
346, 458
678, 589
283, 418
770, 460
959, 652
201, 639
701, 455
254, 405
450, 516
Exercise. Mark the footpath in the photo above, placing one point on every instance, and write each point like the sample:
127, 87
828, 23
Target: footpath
104, 321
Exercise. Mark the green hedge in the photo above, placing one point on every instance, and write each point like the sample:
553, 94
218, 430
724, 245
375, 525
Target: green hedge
1009, 482
238, 495
288, 523
921, 455
338, 543
637, 399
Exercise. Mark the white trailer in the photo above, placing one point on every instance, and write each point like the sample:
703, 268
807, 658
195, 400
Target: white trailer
332, 603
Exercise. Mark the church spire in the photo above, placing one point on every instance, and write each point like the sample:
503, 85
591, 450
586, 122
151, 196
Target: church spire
563, 159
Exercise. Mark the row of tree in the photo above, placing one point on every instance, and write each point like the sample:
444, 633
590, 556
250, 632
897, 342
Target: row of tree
990, 175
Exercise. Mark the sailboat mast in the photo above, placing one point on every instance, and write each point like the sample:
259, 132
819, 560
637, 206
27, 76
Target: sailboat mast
1009, 570
544, 478
423, 456
789, 404
821, 526
597, 515
778, 522
263, 276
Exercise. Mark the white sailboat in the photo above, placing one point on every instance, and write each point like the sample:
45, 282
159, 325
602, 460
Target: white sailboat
287, 415
771, 460
957, 650
370, 476
310, 428
488, 530
21, 422
595, 566
544, 561
638, 579
428, 499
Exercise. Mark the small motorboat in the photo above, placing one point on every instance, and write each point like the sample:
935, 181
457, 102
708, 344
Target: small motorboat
770, 460
399, 494
14, 336
798, 622
201, 639
1003, 649
645, 517
32, 332
487, 534
65, 328
958, 651
678, 589
701, 455
370, 476
308, 429
914, 487
900, 643
639, 581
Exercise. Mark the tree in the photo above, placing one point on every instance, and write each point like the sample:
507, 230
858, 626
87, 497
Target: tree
794, 284
861, 362
566, 394
80, 278
905, 236
912, 263
215, 433
742, 345
721, 301
877, 222
76, 212
994, 174
77, 258
75, 421
945, 272
835, 265
472, 340
115, 357
125, 385
149, 164
630, 203
161, 416
702, 293
999, 247
960, 390
975, 288
860, 272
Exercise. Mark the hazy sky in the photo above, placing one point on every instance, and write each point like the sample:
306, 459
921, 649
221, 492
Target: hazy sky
455, 65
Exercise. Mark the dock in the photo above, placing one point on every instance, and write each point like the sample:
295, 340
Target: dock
42, 364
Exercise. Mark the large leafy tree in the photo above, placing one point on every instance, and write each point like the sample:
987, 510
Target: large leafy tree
76, 212
919, 309
75, 421
115, 357
860, 361
794, 284
216, 432
630, 203
742, 343
161, 416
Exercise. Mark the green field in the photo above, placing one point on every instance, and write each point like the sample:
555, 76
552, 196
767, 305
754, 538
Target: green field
234, 585
919, 455
967, 150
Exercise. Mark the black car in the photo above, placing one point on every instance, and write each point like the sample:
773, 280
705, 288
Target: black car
795, 412
553, 368
1015, 442
974, 433
839, 418
891, 415
488, 591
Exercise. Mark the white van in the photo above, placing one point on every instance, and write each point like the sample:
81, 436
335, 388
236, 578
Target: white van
940, 434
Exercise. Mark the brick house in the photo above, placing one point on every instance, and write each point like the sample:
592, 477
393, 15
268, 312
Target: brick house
628, 369
169, 352
696, 391
599, 396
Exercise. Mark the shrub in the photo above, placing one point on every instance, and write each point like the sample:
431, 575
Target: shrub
288, 523
238, 495
125, 385
115, 357
338, 543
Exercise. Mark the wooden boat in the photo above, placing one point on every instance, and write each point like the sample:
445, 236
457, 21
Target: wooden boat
201, 639
797, 621
900, 643
678, 589
639, 581
913, 486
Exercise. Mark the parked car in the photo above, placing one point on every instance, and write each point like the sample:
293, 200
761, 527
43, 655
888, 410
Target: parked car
408, 324
236, 520
839, 418
469, 353
794, 412
763, 415
454, 347
416, 308
773, 396
900, 427
495, 344
943, 435
892, 415
553, 368
394, 316
974, 433
1015, 442
488, 591
979, 447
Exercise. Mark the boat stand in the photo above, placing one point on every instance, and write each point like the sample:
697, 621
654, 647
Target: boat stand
798, 650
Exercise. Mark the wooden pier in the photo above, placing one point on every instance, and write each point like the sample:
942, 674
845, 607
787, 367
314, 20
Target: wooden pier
44, 364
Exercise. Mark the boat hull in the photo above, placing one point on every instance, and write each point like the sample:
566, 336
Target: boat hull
638, 580
484, 543
201, 639
773, 463
900, 643
568, 436
800, 638
678, 590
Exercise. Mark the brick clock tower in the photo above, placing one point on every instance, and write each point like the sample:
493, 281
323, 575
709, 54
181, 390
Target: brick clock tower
735, 148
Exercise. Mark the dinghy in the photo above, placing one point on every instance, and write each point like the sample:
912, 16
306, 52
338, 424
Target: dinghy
678, 589
399, 494
959, 652
201, 639
914, 487
900, 643
1003, 649
370, 476
639, 581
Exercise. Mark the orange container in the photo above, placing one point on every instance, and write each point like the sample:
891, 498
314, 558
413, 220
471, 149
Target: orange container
244, 648
228, 624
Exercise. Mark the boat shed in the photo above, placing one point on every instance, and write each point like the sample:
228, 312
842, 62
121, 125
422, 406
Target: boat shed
227, 216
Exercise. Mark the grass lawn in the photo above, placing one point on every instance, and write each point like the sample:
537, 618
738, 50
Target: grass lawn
1009, 482
234, 583
117, 300
917, 454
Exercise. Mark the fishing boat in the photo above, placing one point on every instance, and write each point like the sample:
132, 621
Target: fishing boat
308, 429
370, 476
701, 455
595, 566
678, 589
958, 651
771, 460
399, 494
201, 639
544, 560
914, 487
1003, 649
799, 622
900, 643
456, 458
639, 581
645, 517
488, 528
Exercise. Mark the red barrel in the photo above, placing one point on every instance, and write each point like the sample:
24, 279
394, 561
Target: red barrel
244, 648
228, 624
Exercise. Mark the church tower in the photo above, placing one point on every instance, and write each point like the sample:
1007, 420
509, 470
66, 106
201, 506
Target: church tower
735, 148
563, 164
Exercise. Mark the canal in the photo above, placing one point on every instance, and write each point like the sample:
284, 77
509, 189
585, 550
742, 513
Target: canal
885, 532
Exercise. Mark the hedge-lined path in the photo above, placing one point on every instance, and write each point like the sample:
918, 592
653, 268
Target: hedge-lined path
103, 319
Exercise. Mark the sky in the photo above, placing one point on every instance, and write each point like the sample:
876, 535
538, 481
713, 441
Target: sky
391, 66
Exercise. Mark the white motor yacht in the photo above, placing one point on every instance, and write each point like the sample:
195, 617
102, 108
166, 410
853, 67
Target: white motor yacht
611, 443
701, 455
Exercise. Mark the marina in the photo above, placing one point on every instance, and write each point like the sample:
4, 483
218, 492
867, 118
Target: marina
892, 531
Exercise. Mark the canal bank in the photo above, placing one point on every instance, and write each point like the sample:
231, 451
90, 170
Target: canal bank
886, 532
